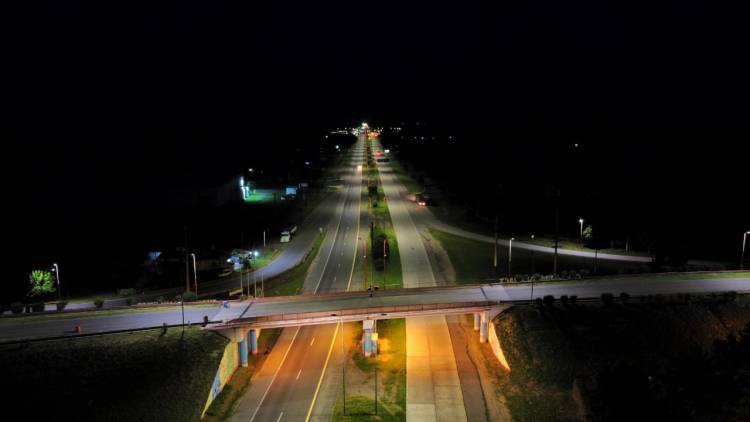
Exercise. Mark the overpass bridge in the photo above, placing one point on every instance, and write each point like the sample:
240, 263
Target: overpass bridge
242, 321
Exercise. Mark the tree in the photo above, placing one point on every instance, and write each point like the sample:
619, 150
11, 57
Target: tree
40, 283
588, 233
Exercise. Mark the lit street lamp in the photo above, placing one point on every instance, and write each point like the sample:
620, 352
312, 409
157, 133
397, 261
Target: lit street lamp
580, 220
56, 270
744, 241
195, 275
510, 254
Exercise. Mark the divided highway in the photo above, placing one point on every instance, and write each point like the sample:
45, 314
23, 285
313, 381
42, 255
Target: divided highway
286, 386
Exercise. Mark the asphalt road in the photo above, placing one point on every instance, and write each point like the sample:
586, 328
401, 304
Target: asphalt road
63, 325
286, 386
495, 292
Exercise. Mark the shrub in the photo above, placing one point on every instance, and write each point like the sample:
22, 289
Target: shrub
126, 292
549, 301
564, 300
160, 299
129, 301
16, 307
61, 305
37, 307
536, 277
607, 299
584, 272
730, 296
564, 274
624, 297
99, 303
189, 297
573, 299
659, 298
538, 301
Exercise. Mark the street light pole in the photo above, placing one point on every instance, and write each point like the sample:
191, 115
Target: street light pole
195, 276
510, 254
59, 292
742, 259
580, 220
494, 262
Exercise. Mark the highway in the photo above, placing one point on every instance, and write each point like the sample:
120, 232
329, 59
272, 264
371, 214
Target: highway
433, 387
287, 384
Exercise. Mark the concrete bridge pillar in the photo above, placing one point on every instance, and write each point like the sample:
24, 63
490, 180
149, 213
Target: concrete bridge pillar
252, 337
369, 337
243, 352
477, 320
483, 327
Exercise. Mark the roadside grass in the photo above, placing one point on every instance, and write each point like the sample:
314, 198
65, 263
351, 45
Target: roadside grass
473, 260
266, 256
223, 406
143, 376
291, 282
96, 314
391, 368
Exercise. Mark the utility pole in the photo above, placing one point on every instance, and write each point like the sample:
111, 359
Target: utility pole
264, 238
494, 262
742, 259
385, 268
343, 363
255, 285
364, 284
510, 254
557, 240
195, 275
187, 264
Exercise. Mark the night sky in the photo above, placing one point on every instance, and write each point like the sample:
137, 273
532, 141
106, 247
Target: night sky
132, 96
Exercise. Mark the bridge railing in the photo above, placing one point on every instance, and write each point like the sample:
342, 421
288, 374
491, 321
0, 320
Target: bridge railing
363, 312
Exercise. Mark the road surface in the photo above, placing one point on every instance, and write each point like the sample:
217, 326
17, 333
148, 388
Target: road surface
433, 387
286, 386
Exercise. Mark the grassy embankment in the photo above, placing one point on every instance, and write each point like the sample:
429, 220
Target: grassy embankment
223, 406
640, 360
143, 376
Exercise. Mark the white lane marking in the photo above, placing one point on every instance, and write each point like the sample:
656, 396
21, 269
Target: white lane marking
325, 366
274, 376
298, 374
280, 415
313, 341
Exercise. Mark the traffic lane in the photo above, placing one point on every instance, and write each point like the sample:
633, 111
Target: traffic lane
291, 394
286, 398
11, 330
